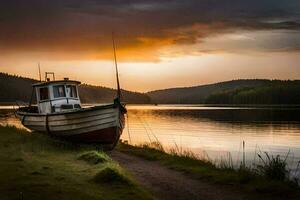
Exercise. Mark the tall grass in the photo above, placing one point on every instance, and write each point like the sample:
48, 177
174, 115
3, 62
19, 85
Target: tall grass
273, 167
270, 167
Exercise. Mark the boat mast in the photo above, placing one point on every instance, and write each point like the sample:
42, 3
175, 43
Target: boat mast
117, 72
40, 72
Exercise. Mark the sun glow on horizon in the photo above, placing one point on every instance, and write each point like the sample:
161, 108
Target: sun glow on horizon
180, 71
159, 44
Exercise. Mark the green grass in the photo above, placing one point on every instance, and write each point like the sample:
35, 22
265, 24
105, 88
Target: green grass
112, 174
204, 169
94, 157
35, 166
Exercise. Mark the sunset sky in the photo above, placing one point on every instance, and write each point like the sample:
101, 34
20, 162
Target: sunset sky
160, 44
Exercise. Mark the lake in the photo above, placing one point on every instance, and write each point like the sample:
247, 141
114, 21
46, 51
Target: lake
214, 132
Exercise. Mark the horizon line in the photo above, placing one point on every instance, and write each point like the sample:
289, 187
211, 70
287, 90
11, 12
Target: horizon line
179, 87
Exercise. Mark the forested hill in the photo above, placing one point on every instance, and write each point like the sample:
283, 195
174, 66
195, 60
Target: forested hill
273, 92
198, 94
255, 91
252, 91
14, 88
98, 94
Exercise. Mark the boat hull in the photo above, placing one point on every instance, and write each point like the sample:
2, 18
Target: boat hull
98, 124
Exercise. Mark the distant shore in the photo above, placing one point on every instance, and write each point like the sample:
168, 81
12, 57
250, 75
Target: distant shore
187, 105
233, 92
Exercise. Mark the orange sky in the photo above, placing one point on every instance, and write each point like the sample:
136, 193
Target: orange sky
160, 44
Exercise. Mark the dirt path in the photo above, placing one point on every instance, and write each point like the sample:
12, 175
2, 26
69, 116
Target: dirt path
167, 184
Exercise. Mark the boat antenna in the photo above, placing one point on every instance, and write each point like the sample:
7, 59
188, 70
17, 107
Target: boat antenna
40, 72
116, 65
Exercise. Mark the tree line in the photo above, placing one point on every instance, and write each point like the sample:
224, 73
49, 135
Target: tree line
16, 88
272, 92
252, 91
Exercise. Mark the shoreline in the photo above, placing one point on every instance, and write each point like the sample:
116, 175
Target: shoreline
36, 165
249, 180
10, 104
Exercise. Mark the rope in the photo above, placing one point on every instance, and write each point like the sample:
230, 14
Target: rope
144, 122
145, 128
129, 137
151, 131
15, 110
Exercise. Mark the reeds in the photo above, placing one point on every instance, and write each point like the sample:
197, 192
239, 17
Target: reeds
271, 167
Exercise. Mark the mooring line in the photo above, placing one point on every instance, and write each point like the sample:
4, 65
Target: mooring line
129, 137
151, 131
145, 128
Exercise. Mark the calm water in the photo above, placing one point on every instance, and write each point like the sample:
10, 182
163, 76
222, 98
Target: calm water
213, 131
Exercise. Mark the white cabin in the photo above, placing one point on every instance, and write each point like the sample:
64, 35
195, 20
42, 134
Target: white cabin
57, 96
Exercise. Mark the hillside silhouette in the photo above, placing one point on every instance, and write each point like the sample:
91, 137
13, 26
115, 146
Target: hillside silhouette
16, 88
244, 91
252, 91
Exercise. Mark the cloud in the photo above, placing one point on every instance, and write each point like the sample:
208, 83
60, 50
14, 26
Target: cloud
82, 29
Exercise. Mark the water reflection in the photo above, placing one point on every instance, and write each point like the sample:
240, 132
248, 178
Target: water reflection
218, 131
215, 130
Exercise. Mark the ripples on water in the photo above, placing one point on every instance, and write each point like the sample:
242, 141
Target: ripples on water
216, 131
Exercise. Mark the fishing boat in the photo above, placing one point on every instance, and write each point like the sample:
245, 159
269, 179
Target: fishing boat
59, 113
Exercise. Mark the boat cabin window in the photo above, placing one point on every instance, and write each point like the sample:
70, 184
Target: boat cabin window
44, 93
71, 90
59, 91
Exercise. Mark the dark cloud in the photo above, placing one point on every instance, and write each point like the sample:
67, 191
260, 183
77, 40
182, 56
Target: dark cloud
85, 26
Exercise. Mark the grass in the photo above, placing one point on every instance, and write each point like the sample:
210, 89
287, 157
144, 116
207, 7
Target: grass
35, 166
112, 175
94, 157
273, 167
203, 168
